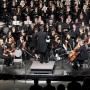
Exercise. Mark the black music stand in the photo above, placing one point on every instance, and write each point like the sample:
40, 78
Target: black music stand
63, 58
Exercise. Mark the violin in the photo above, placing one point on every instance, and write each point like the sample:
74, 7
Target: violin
13, 41
24, 46
12, 50
5, 51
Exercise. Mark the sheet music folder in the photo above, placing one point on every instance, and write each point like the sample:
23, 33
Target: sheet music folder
16, 23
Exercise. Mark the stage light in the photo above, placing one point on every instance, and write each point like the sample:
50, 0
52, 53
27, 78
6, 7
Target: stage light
40, 82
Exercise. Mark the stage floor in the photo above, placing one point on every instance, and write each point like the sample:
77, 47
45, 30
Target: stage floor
61, 68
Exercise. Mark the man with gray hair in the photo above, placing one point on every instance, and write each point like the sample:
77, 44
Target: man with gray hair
83, 55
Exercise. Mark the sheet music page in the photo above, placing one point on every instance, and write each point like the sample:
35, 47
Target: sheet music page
27, 22
16, 22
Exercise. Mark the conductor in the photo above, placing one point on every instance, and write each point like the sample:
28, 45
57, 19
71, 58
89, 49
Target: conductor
41, 44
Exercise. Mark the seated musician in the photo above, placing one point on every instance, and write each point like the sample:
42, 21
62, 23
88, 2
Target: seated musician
67, 47
59, 49
82, 56
1, 49
6, 56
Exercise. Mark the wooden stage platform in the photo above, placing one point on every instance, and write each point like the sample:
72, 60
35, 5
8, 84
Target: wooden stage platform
42, 68
53, 70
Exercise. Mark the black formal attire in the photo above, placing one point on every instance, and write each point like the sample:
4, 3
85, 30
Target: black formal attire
71, 43
42, 45
83, 55
59, 49
74, 34
1, 51
19, 44
7, 59
31, 44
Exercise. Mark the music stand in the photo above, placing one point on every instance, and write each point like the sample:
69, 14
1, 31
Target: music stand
62, 55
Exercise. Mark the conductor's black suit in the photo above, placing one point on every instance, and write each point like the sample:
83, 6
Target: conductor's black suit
41, 45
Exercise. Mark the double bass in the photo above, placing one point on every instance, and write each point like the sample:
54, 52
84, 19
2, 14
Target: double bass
73, 54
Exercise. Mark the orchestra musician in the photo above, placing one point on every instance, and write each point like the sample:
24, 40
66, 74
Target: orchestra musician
1, 49
70, 41
81, 56
6, 56
68, 44
59, 50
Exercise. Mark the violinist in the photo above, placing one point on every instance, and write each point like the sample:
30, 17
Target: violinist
20, 42
82, 56
9, 42
1, 49
5, 51
12, 50
71, 41
6, 56
59, 49
68, 44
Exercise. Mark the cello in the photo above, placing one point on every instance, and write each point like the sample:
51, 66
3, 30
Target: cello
73, 54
